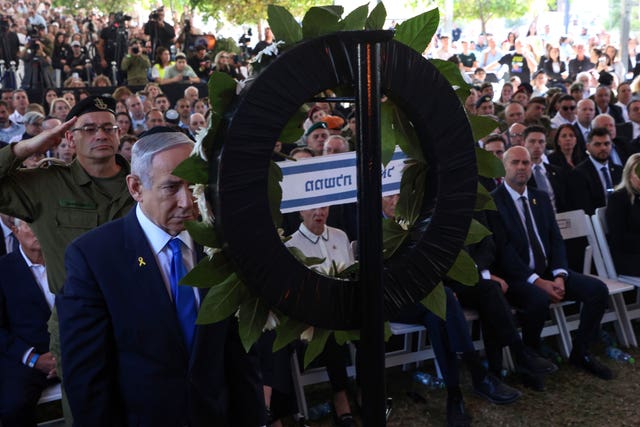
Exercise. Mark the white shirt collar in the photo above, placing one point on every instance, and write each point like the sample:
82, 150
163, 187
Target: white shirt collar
157, 237
514, 194
313, 238
5, 230
598, 165
27, 260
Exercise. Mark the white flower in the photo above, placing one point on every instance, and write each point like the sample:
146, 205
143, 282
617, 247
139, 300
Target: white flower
201, 200
271, 323
307, 334
211, 251
198, 147
271, 50
403, 223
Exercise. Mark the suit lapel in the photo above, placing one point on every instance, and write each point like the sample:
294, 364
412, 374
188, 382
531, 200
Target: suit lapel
24, 276
145, 273
513, 214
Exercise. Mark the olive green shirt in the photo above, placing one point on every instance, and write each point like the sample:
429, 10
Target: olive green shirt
60, 202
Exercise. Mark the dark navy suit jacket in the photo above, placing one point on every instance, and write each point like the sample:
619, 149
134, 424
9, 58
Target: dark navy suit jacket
511, 235
123, 355
585, 188
24, 311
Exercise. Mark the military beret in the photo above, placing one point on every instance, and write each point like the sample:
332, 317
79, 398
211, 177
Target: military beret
482, 100
316, 125
92, 104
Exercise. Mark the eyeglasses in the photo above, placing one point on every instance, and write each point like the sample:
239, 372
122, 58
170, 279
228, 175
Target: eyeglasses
568, 107
93, 129
516, 135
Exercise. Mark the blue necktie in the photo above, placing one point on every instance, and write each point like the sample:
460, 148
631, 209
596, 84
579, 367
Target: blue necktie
607, 180
15, 244
183, 297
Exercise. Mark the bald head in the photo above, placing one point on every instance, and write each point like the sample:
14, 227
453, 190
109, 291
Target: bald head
605, 121
517, 166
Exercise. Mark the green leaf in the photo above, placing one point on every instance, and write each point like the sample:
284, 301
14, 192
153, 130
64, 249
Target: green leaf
376, 18
412, 187
193, 169
252, 318
476, 233
417, 32
287, 331
409, 142
275, 192
222, 91
292, 131
356, 19
482, 126
343, 337
638, 170
209, 272
308, 261
452, 73
222, 300
392, 237
321, 20
203, 234
489, 165
464, 269
436, 301
387, 331
315, 347
283, 25
484, 201
350, 273
390, 132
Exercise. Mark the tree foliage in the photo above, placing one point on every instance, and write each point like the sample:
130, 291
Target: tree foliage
485, 10
248, 11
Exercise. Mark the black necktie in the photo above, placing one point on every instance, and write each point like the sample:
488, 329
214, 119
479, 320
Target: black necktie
538, 254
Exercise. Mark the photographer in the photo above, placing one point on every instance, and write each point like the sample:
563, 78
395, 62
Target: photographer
136, 64
200, 63
160, 32
37, 60
112, 43
10, 44
76, 62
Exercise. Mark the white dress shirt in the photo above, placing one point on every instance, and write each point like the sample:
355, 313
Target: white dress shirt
332, 245
40, 275
158, 241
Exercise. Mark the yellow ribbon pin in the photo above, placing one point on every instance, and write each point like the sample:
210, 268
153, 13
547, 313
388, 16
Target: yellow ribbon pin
534, 201
141, 262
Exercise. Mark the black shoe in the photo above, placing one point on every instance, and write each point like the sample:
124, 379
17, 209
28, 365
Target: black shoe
495, 391
590, 364
533, 363
345, 420
456, 414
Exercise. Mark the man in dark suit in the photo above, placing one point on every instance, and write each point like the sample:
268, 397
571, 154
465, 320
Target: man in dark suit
604, 106
621, 148
533, 254
593, 179
631, 129
586, 113
26, 365
132, 354
545, 176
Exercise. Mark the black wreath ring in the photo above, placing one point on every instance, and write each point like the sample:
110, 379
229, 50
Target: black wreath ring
239, 181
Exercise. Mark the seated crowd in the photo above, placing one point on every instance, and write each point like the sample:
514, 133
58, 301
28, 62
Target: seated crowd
92, 177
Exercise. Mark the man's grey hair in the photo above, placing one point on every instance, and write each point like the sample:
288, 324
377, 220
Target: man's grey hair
146, 148
345, 144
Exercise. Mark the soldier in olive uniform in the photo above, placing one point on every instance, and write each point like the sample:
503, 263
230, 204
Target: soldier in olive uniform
61, 202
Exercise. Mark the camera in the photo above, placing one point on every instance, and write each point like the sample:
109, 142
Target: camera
245, 38
155, 14
135, 50
120, 18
